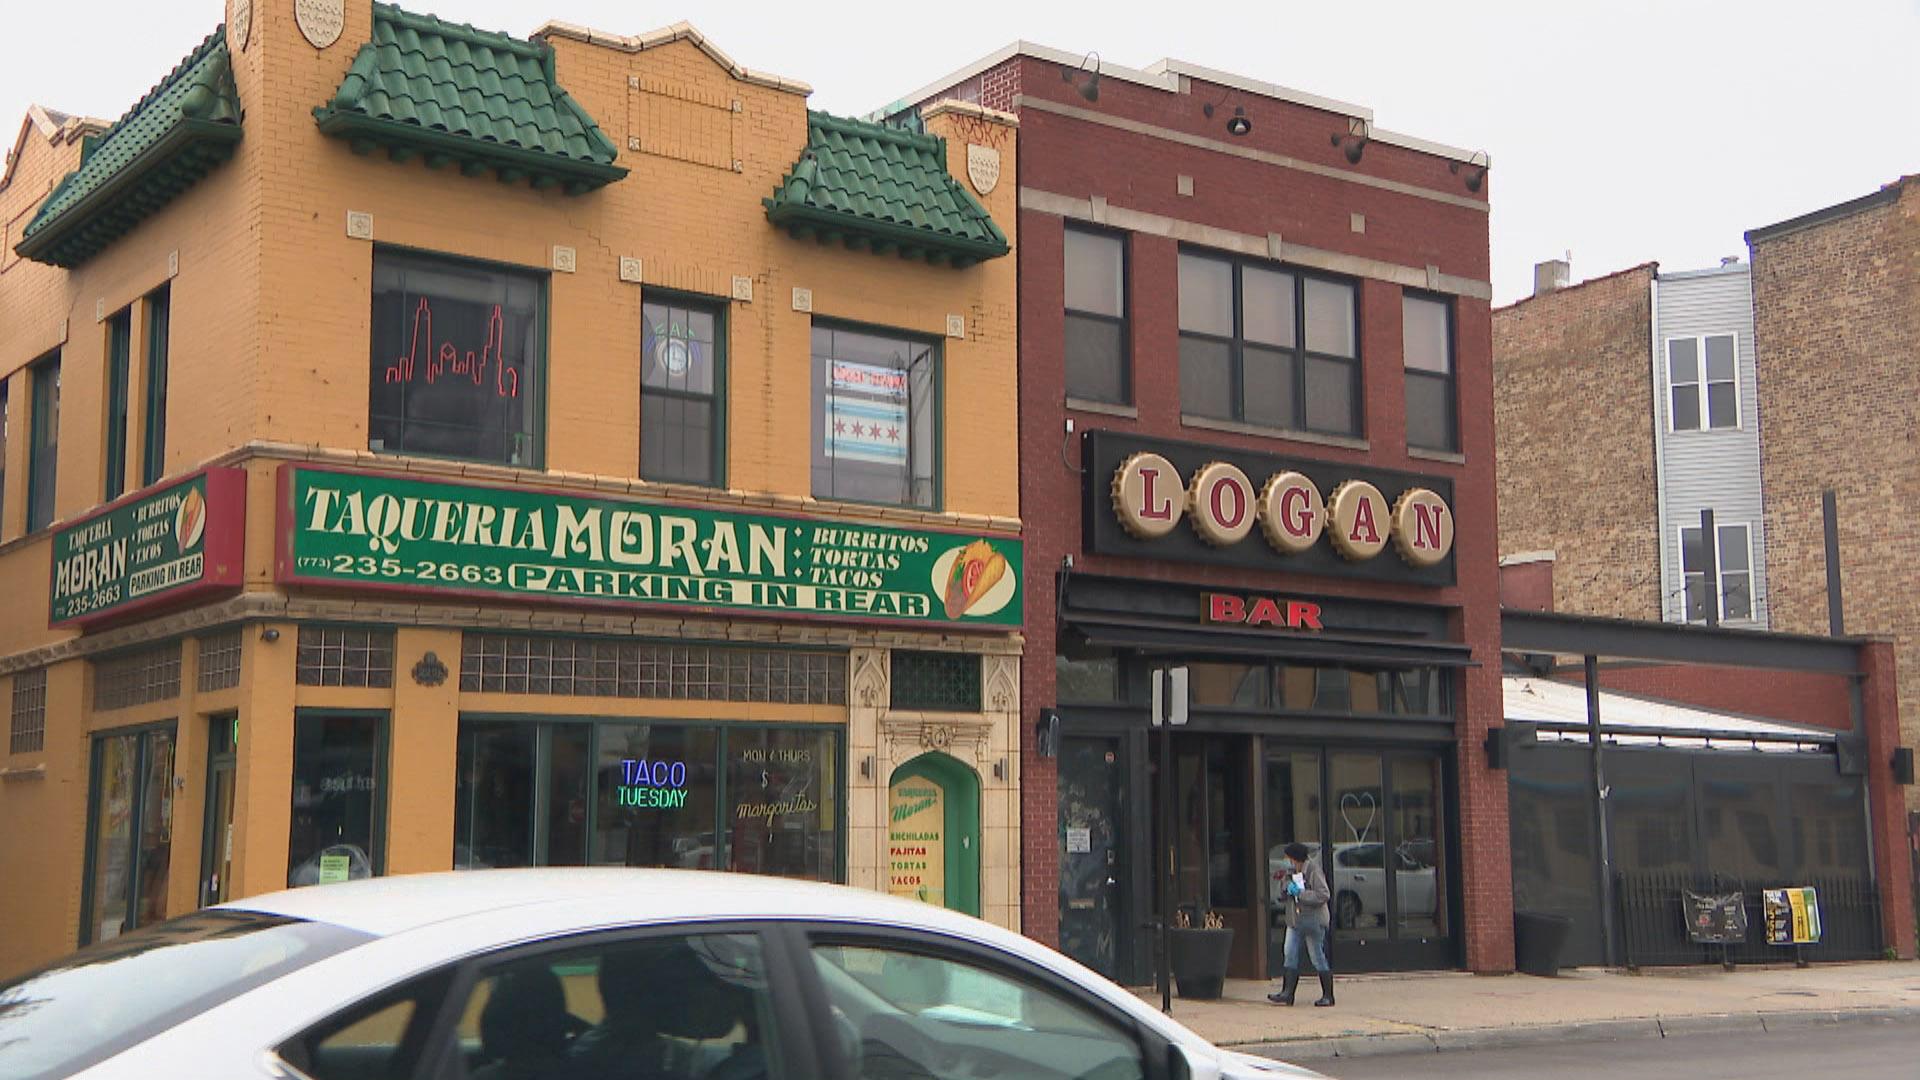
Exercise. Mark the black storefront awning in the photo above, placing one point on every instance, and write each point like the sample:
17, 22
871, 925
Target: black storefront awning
1157, 635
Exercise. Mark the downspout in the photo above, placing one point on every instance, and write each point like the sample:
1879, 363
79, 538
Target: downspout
1665, 591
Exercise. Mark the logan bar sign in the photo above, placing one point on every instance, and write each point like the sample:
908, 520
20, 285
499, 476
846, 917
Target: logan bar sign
160, 547
369, 530
1312, 517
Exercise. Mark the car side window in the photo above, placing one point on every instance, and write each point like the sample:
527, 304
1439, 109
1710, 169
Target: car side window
380, 1038
908, 1015
692, 1007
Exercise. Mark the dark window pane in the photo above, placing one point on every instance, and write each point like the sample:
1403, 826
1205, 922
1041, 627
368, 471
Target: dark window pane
1096, 360
782, 818
1330, 394
655, 793
1683, 361
1430, 411
1228, 685
1092, 679
568, 771
336, 798
454, 360
677, 439
1095, 271
1206, 378
1266, 306
119, 360
154, 461
43, 446
1720, 358
1268, 378
1420, 888
1733, 548
1723, 410
1686, 408
493, 796
677, 348
874, 422
1693, 553
1329, 317
156, 829
1206, 295
1424, 331
1698, 597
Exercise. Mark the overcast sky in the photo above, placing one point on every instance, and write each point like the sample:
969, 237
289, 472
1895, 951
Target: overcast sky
1622, 132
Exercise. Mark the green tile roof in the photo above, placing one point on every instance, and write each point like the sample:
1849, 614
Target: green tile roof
885, 189
183, 127
460, 96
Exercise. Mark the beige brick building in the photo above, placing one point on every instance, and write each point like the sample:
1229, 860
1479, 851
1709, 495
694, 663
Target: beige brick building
1836, 298
1580, 490
428, 447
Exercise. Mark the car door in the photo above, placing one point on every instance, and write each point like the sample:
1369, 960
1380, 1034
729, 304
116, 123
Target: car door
708, 1001
898, 1004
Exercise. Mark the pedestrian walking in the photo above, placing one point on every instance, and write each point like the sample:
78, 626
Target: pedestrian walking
1303, 897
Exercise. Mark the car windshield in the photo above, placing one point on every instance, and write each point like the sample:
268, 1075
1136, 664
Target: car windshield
99, 1001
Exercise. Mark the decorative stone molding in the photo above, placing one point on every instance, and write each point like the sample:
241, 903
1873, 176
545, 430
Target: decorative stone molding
904, 738
1002, 693
867, 681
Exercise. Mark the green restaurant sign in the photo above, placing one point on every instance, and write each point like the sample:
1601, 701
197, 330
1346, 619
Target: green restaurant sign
160, 547
371, 530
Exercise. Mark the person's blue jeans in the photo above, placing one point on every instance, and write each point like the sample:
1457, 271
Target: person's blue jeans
1310, 935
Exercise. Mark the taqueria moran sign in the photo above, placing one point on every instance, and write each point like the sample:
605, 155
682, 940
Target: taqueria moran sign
1162, 499
164, 546
378, 531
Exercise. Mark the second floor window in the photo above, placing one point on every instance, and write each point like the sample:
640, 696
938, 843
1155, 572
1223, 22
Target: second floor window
457, 357
43, 442
119, 362
1702, 376
1267, 346
153, 462
875, 418
1427, 330
1096, 318
1733, 563
681, 380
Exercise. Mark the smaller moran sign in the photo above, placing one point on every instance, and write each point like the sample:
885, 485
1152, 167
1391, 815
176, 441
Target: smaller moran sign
377, 531
163, 546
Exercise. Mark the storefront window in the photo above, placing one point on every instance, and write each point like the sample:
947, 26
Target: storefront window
1419, 865
1389, 692
338, 765
874, 418
456, 360
131, 840
493, 796
1229, 686
654, 797
1092, 679
782, 810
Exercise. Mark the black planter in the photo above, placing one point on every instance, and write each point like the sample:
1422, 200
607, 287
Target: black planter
1539, 940
1200, 961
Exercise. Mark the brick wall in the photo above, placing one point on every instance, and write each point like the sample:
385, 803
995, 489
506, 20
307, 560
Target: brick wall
1836, 327
1573, 404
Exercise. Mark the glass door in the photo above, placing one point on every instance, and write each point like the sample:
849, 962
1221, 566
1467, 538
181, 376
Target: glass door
216, 843
1293, 807
1094, 869
130, 833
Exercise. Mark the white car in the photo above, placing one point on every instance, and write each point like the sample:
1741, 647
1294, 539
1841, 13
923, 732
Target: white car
588, 974
1360, 882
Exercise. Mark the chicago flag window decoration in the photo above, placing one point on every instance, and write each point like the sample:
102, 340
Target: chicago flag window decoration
867, 413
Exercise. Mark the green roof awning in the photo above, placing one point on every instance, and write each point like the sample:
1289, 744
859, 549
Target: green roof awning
454, 95
884, 189
164, 144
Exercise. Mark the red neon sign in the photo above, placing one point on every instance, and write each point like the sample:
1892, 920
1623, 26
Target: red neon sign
448, 358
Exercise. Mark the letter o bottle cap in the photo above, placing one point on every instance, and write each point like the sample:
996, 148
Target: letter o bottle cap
1422, 527
1221, 502
1357, 518
1292, 517
1147, 497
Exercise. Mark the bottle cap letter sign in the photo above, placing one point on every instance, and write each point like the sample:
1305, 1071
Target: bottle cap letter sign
1219, 501
1147, 496
1222, 501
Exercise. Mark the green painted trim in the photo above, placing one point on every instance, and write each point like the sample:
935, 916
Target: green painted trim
961, 786
576, 177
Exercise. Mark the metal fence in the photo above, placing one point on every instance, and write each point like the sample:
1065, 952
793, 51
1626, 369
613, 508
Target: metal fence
1653, 924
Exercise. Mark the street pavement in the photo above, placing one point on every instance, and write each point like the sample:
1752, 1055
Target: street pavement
1885, 1049
1422, 1012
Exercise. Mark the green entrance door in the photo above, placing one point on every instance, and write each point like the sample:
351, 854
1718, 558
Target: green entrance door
933, 833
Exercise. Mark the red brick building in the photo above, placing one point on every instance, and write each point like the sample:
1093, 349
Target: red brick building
1257, 296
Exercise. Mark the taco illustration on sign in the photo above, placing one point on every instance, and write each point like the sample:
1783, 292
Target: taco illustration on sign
976, 569
190, 519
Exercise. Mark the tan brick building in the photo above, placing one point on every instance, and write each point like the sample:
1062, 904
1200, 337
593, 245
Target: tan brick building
1580, 491
432, 448
1836, 297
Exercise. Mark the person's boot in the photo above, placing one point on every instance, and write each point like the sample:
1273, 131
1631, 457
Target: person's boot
1326, 989
1289, 982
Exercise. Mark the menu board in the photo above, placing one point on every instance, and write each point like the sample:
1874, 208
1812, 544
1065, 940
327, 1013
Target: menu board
1792, 916
916, 840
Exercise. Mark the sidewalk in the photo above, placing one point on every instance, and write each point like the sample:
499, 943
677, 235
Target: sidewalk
1451, 1010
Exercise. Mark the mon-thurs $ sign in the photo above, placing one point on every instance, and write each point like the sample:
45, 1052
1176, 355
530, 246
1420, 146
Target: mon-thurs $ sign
368, 530
160, 547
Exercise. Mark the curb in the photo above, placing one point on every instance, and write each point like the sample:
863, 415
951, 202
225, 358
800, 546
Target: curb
1346, 1046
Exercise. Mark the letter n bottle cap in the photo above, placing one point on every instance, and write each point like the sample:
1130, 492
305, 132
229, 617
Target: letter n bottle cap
1422, 527
1147, 496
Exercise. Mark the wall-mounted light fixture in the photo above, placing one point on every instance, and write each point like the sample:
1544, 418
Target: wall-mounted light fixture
1089, 86
1237, 125
270, 634
866, 767
1000, 769
1475, 168
1353, 143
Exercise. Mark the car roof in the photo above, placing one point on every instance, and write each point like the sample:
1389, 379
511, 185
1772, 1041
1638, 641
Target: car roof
392, 905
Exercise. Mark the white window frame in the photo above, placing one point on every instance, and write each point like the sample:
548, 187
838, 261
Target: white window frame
1706, 408
1719, 570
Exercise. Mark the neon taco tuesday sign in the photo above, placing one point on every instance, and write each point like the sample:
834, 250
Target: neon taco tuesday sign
390, 532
